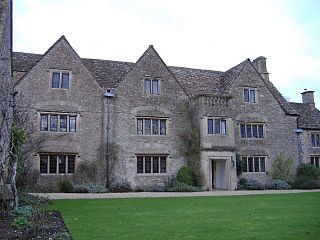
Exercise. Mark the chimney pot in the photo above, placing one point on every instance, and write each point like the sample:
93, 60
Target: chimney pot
308, 97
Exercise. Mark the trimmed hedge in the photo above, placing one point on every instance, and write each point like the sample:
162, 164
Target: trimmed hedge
183, 187
278, 185
185, 175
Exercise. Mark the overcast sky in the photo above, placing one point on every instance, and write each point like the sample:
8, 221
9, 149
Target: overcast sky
204, 34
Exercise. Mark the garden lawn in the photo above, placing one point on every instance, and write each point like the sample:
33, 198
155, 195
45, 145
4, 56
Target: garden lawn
283, 216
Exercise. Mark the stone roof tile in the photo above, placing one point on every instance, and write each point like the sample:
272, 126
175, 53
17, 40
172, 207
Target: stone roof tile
309, 115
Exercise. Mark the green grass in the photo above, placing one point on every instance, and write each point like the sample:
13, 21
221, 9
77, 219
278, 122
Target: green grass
285, 216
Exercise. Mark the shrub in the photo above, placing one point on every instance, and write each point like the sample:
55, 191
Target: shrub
120, 187
308, 170
252, 184
282, 168
278, 185
240, 165
183, 187
65, 186
20, 222
185, 175
25, 211
306, 182
89, 188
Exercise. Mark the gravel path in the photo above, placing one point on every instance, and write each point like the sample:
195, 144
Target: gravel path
164, 194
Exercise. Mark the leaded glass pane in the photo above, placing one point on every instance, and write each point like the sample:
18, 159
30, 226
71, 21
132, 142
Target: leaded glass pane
155, 161
210, 126
65, 81
262, 164
243, 130
54, 123
139, 126
139, 164
147, 126
71, 163
44, 122
252, 96
62, 164
55, 80
246, 95
147, 86
223, 127
256, 164
217, 126
260, 131
147, 164
53, 164
43, 164
155, 126
163, 127
163, 164
255, 131
250, 164
249, 131
72, 124
155, 84
63, 123
313, 140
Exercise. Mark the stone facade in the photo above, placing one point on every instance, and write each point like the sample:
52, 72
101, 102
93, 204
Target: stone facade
130, 117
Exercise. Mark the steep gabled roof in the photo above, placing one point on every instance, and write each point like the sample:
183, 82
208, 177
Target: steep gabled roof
309, 115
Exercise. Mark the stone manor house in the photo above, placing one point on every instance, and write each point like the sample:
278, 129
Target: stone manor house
81, 106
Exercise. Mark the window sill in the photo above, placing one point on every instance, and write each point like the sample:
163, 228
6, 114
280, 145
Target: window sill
151, 174
57, 174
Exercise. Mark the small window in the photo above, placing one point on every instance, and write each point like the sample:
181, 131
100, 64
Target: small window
62, 164
151, 86
63, 123
55, 80
315, 139
248, 130
65, 81
60, 80
53, 164
139, 164
147, 163
155, 161
217, 126
249, 95
53, 123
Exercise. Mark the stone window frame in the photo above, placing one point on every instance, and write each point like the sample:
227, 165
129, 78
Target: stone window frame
152, 79
315, 160
159, 119
252, 124
60, 72
68, 122
254, 160
212, 131
315, 139
250, 90
49, 158
152, 157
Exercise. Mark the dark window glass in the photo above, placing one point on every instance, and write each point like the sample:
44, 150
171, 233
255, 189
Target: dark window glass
43, 164
139, 126
244, 159
44, 122
53, 164
147, 164
262, 164
163, 164
72, 124
255, 131
147, 86
223, 127
250, 164
249, 132
155, 84
65, 81
55, 80
217, 126
210, 126
63, 123
155, 162
147, 126
71, 163
256, 164
260, 129
155, 126
252, 96
62, 164
243, 130
139, 164
313, 140
246, 95
163, 127
317, 140
317, 162
53, 123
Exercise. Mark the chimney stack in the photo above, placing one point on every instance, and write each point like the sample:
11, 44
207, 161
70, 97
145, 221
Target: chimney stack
260, 64
308, 97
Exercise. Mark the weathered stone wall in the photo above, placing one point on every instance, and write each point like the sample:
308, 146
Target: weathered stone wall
131, 102
83, 99
306, 146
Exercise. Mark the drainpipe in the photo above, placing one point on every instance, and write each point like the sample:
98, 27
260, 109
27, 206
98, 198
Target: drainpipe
109, 94
298, 131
